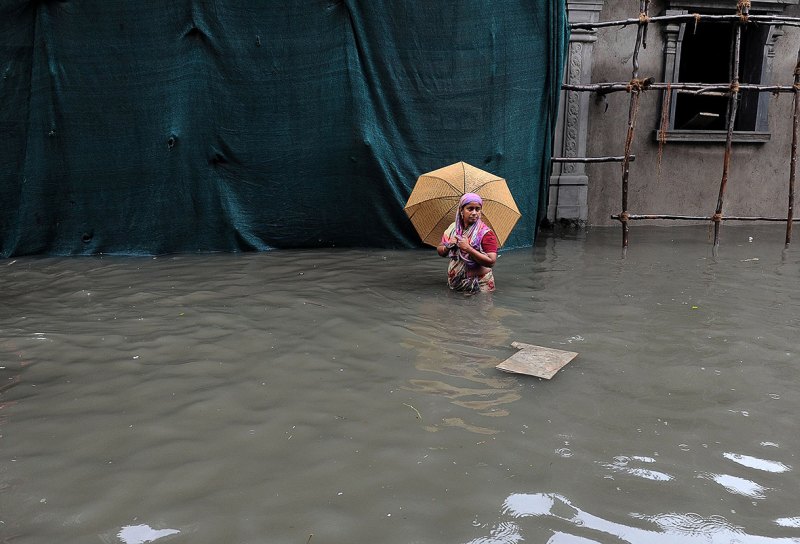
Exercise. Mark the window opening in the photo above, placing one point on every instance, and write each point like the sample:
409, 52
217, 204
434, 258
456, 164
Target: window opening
705, 58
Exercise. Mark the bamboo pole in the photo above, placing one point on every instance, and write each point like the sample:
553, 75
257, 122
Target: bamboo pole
673, 217
733, 103
793, 160
633, 109
695, 88
591, 159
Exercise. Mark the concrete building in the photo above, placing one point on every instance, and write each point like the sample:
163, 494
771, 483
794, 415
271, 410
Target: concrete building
686, 180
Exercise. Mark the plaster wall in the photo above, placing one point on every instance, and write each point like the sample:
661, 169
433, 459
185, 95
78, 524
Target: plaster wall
687, 181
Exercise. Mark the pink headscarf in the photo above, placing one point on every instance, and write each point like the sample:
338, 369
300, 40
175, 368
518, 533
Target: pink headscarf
474, 233
467, 198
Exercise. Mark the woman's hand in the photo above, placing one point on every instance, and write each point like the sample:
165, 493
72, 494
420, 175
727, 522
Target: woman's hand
484, 259
444, 249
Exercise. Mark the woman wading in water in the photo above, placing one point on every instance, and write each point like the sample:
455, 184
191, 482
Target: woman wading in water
472, 248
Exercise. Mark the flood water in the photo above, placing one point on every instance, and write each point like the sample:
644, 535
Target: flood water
346, 396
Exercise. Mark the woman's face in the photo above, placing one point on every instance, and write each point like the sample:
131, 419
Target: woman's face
470, 213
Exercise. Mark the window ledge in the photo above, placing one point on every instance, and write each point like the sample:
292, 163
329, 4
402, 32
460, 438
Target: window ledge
713, 136
711, 6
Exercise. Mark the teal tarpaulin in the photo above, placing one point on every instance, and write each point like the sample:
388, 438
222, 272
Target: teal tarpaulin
153, 127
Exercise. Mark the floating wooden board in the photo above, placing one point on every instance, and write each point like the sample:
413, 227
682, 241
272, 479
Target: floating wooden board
536, 360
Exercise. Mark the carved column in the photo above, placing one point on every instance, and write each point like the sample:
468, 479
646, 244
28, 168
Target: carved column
569, 184
762, 121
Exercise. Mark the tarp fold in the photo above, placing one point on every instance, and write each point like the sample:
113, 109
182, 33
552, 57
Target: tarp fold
155, 127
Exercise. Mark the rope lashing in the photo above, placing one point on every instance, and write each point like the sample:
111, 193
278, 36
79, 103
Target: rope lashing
643, 18
735, 87
697, 18
716, 218
639, 85
742, 9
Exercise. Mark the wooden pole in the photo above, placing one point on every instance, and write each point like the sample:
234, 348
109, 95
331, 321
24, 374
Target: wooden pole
644, 217
733, 103
591, 159
633, 109
691, 88
793, 160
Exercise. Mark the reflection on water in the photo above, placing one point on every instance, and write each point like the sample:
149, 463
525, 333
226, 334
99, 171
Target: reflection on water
461, 345
577, 525
627, 465
734, 484
348, 396
140, 534
754, 462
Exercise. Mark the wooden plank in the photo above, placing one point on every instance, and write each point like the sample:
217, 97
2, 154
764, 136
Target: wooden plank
536, 361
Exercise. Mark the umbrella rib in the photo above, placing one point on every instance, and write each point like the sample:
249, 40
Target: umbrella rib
482, 185
446, 197
448, 183
506, 206
436, 223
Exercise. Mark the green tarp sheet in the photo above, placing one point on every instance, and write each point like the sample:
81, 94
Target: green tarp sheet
154, 127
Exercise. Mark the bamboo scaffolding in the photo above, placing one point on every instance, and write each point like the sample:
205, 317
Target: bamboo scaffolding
732, 90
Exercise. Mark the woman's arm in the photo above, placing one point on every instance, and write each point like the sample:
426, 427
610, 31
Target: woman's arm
483, 259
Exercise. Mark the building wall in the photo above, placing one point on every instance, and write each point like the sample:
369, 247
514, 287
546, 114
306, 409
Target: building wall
688, 179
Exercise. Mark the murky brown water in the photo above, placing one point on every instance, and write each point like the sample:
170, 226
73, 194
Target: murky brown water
346, 394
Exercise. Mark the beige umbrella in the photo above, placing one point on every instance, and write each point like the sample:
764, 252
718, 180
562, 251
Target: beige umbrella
433, 202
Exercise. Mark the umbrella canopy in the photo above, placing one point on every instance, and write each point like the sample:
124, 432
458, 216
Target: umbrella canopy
433, 202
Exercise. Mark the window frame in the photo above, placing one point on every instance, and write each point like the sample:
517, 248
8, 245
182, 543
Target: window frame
673, 42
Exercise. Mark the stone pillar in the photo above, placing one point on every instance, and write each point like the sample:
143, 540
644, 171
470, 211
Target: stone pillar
762, 121
569, 184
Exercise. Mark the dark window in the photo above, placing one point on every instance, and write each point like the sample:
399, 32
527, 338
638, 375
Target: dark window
701, 53
705, 57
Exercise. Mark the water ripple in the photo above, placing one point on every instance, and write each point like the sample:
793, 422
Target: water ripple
668, 528
622, 464
265, 397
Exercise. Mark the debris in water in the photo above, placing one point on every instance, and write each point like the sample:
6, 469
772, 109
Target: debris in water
419, 416
536, 361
